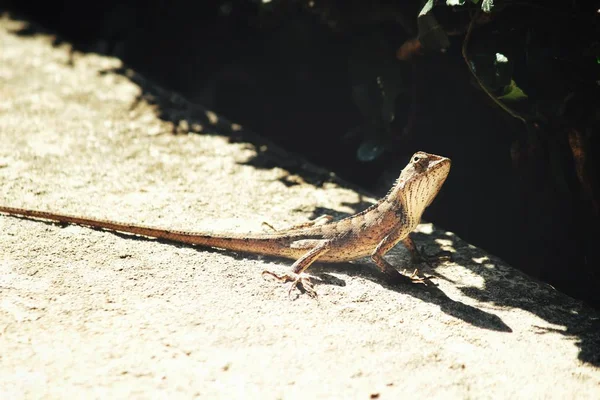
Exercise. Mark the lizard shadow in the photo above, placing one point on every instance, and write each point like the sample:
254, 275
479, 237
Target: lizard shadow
429, 293
509, 287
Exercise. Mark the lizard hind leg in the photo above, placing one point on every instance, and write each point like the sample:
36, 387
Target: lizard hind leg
392, 274
316, 248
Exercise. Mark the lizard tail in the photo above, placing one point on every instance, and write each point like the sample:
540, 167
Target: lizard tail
269, 244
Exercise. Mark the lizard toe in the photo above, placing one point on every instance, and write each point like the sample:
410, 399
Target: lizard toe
395, 277
303, 282
287, 277
300, 281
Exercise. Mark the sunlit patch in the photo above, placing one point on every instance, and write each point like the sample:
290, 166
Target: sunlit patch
236, 127
449, 234
427, 229
212, 117
481, 260
446, 245
44, 145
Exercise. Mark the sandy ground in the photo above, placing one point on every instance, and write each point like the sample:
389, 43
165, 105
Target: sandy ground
93, 314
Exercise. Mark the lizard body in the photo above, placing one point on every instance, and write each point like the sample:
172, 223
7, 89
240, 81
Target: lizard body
372, 232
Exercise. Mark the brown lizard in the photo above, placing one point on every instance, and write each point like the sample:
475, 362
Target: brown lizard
372, 232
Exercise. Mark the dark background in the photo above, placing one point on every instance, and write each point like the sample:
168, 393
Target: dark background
323, 81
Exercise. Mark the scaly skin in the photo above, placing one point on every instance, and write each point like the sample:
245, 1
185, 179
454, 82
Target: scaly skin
372, 232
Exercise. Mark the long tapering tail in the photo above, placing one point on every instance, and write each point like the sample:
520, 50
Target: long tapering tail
270, 244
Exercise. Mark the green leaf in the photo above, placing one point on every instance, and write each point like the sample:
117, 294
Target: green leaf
487, 5
426, 8
455, 2
512, 93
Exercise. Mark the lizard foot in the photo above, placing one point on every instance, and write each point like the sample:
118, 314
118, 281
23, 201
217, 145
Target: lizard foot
415, 278
395, 277
298, 280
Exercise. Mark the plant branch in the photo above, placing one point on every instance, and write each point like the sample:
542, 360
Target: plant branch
514, 114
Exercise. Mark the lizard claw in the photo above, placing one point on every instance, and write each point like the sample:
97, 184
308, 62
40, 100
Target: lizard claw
298, 281
415, 278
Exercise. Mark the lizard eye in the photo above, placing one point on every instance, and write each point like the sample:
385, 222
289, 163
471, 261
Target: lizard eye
416, 159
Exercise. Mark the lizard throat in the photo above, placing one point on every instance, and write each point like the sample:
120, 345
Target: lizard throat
420, 192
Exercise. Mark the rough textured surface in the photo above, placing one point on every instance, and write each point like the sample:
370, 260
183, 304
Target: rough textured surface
86, 313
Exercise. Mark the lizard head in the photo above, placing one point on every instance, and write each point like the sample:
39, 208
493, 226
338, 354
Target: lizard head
422, 179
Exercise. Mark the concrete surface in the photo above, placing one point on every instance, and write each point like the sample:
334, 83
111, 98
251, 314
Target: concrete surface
93, 314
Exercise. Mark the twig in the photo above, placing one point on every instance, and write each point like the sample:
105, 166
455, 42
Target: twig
485, 89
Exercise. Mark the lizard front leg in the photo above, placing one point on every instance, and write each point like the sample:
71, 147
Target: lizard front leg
296, 275
382, 248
